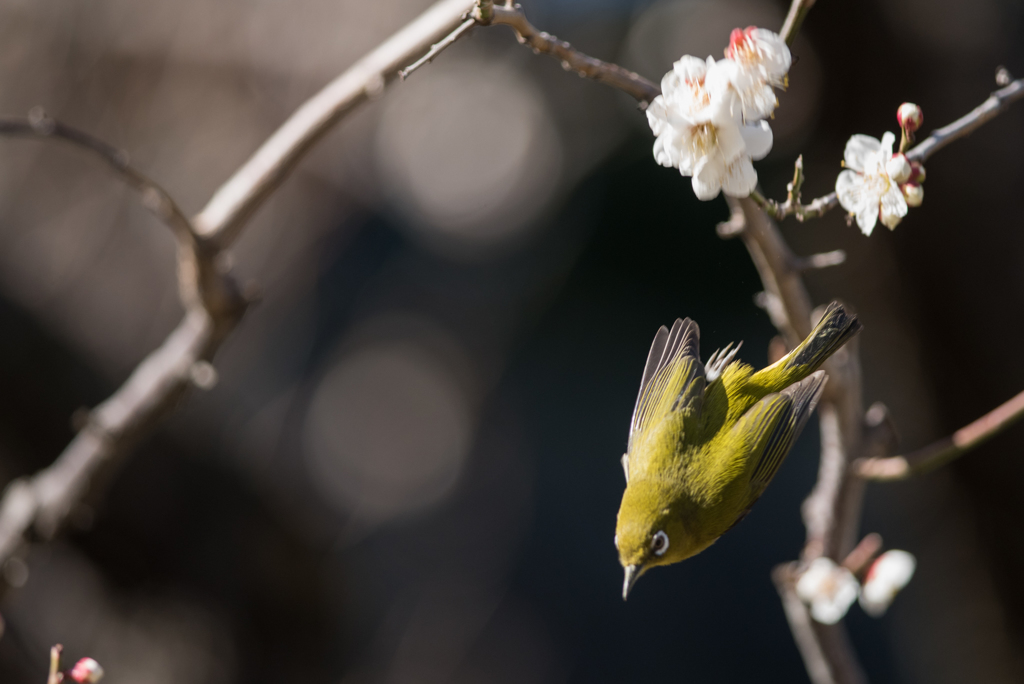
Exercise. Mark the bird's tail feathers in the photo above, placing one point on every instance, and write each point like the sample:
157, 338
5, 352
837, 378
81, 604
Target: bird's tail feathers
836, 327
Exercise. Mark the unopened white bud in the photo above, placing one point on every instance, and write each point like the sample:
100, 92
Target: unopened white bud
898, 168
913, 193
909, 116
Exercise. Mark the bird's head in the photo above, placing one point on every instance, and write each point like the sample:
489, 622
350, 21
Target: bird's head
651, 530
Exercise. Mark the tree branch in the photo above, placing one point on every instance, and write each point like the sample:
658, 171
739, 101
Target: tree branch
825, 649
212, 300
832, 511
798, 10
637, 86
234, 203
941, 452
154, 198
995, 105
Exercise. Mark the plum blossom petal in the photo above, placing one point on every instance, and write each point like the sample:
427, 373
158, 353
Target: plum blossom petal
758, 139
731, 142
860, 149
752, 97
707, 177
756, 61
760, 50
893, 206
740, 178
828, 589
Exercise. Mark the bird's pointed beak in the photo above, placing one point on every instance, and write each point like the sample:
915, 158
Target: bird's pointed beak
632, 575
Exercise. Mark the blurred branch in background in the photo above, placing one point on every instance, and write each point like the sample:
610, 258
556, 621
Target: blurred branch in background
154, 198
939, 453
212, 299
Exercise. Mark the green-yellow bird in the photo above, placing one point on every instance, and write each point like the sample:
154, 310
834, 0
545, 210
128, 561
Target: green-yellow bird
705, 440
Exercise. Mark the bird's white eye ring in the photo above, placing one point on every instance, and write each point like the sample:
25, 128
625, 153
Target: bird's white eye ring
659, 543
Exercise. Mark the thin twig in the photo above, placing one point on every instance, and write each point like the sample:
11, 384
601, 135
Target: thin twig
157, 200
815, 209
995, 105
798, 10
438, 48
858, 560
640, 88
941, 452
55, 676
234, 203
825, 649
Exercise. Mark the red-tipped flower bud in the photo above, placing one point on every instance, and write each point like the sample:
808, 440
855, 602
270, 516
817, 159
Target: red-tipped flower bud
913, 193
909, 116
917, 174
86, 671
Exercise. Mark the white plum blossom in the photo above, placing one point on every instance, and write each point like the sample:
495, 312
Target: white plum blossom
867, 188
885, 578
756, 62
829, 590
703, 134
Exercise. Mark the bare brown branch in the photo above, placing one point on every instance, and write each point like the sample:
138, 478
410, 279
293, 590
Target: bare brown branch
825, 649
798, 10
40, 125
223, 217
815, 209
995, 105
941, 452
832, 511
212, 300
640, 88
438, 48
54, 676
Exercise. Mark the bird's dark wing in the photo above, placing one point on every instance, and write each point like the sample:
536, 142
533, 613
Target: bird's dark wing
777, 421
673, 378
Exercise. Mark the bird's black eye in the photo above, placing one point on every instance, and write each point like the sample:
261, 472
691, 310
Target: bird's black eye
659, 543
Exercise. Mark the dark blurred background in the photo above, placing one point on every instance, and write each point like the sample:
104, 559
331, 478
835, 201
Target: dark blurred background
409, 471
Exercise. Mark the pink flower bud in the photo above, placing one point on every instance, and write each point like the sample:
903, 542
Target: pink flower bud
898, 168
917, 173
909, 116
913, 193
86, 671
